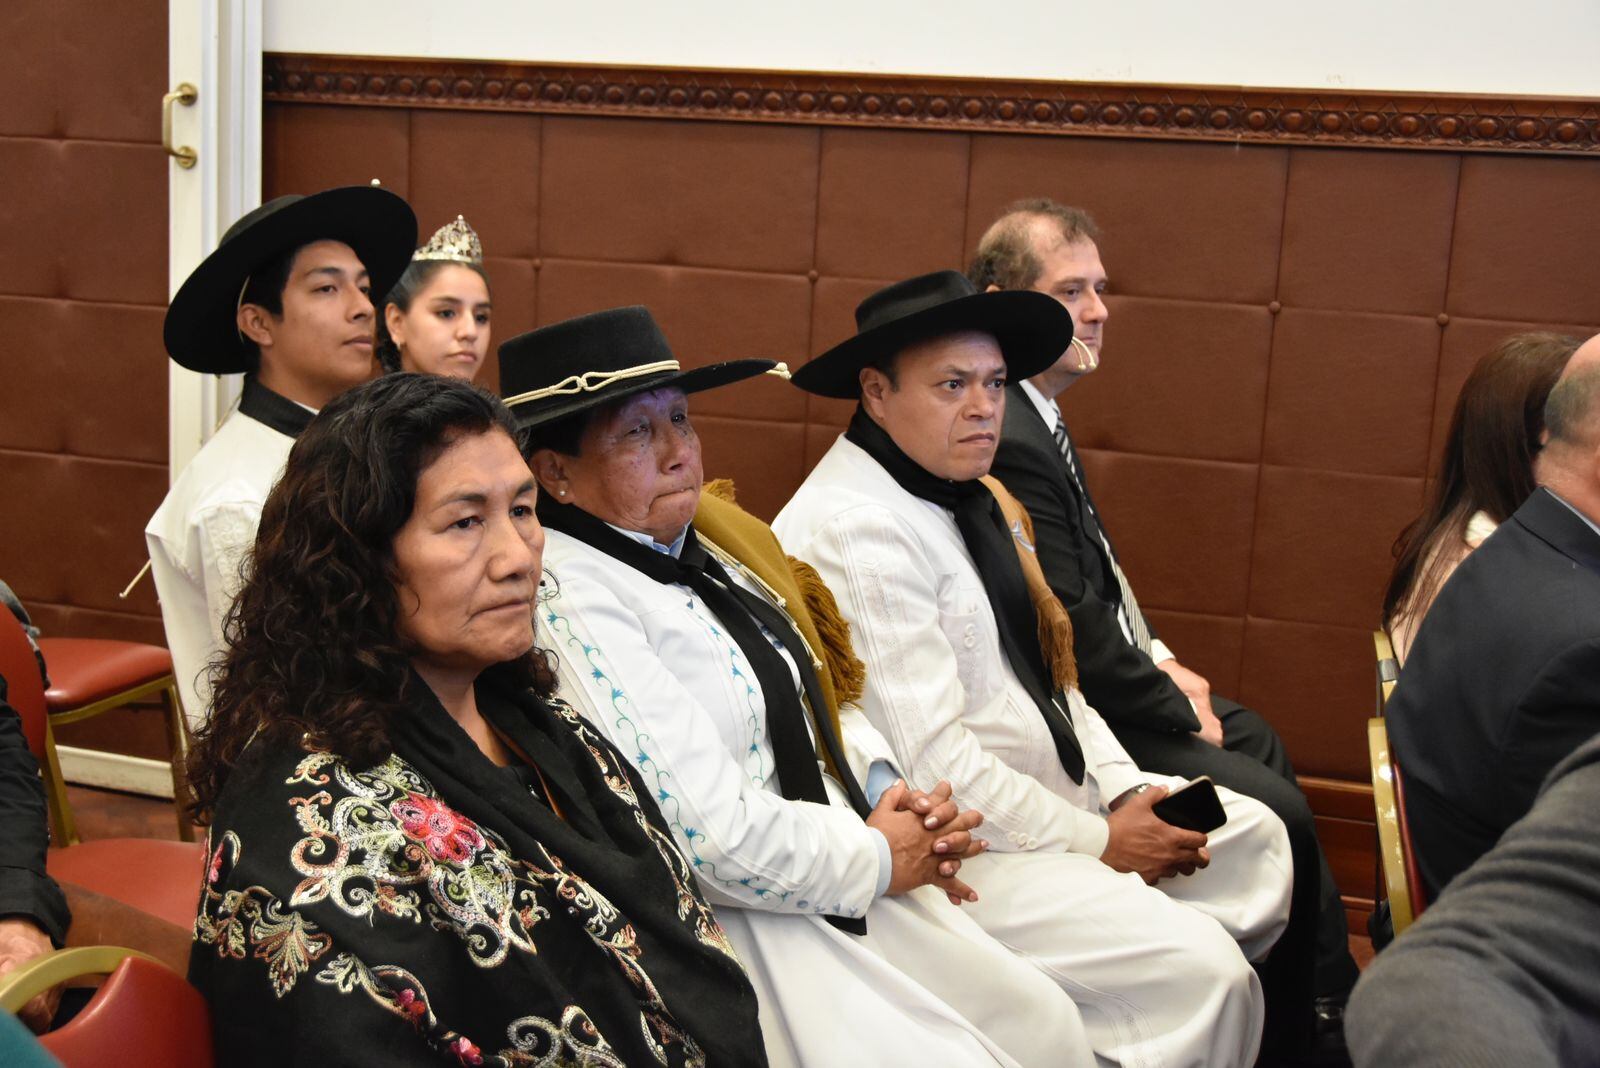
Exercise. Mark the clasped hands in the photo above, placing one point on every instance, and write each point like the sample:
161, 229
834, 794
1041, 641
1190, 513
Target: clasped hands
929, 835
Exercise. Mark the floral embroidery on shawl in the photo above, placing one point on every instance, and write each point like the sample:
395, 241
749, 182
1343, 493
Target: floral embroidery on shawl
252, 919
380, 842
447, 834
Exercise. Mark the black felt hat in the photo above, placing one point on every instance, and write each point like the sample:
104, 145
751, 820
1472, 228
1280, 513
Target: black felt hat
1033, 329
201, 330
571, 366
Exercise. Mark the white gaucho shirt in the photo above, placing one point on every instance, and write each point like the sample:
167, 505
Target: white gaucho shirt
939, 688
199, 536
649, 664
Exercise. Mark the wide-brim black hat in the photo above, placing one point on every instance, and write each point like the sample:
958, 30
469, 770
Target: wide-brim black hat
577, 364
1033, 329
201, 330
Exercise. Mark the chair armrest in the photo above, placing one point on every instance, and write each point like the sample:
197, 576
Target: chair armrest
21, 986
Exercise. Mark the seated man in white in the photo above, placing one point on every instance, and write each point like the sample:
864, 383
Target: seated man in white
1083, 878
682, 633
285, 300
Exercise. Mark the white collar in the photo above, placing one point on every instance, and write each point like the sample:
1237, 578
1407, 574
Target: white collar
1048, 409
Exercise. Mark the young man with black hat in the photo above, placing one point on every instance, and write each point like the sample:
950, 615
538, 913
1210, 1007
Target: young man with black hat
286, 300
969, 675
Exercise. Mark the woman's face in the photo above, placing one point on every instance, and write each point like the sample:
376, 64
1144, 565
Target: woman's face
638, 466
469, 557
446, 330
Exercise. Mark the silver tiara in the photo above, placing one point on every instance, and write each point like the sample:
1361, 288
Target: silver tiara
455, 242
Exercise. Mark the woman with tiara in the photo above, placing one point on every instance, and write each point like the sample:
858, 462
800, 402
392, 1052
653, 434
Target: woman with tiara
436, 318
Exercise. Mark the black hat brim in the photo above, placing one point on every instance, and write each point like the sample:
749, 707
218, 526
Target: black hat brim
545, 411
1032, 329
201, 329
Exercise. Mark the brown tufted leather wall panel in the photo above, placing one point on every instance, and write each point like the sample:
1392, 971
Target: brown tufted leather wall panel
1290, 325
83, 282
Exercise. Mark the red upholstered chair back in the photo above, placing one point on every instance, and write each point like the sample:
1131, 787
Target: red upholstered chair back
24, 688
158, 877
144, 1016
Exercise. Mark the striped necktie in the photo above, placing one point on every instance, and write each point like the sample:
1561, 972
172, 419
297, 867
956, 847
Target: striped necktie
1128, 614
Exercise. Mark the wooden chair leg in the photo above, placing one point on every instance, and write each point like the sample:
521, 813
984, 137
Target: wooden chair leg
178, 746
63, 828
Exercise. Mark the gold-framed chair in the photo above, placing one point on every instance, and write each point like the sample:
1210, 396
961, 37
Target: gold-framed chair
145, 1015
92, 676
1397, 860
1388, 667
21, 985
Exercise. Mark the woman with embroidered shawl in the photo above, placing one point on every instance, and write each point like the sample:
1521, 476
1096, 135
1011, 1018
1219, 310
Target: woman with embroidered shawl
417, 854
726, 674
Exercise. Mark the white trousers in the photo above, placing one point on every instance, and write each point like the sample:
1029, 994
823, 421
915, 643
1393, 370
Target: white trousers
1159, 973
925, 985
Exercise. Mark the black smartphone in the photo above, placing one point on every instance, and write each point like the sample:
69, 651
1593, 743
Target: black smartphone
1194, 806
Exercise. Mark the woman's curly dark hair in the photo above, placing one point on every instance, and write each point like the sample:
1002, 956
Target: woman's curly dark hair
313, 642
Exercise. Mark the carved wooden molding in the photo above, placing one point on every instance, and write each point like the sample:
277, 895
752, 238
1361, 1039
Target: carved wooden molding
1186, 113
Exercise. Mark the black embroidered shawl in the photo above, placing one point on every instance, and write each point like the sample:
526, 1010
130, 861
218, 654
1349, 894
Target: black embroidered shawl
430, 910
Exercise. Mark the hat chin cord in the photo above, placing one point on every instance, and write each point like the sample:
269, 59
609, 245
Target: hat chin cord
238, 306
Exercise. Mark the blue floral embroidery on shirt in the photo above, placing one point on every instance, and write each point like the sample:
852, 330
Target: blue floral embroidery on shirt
755, 764
560, 628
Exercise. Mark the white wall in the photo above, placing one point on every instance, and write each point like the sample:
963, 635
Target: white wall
1468, 46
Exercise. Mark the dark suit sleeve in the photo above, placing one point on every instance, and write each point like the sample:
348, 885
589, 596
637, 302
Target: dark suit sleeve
1558, 713
25, 889
1122, 683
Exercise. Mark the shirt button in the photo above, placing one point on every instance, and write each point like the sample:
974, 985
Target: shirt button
970, 635
572, 910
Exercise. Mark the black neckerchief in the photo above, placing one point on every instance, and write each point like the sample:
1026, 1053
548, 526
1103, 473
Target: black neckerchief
273, 409
743, 614
994, 552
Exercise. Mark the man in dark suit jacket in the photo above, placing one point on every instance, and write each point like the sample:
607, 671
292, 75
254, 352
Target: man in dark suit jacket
1163, 713
1503, 681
